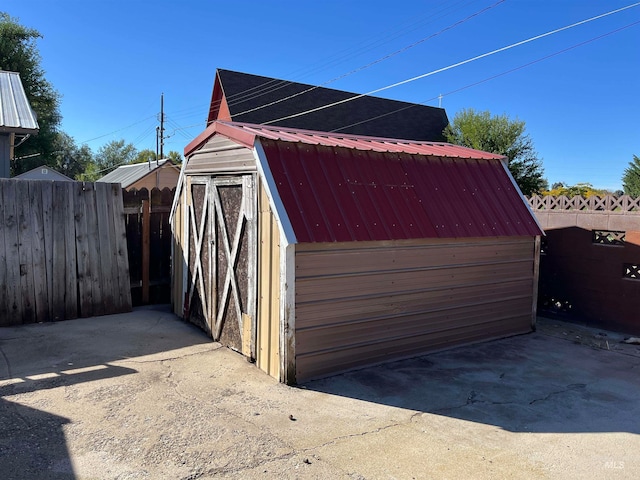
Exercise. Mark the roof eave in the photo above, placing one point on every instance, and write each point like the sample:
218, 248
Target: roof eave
228, 130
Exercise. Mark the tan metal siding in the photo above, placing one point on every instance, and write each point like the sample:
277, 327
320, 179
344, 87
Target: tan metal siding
221, 155
268, 328
364, 303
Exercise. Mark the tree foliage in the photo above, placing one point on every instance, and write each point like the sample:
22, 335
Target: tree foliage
144, 156
19, 53
585, 190
175, 157
69, 159
631, 178
113, 154
503, 136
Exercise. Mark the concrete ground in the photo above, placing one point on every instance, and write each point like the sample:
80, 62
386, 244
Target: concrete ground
144, 395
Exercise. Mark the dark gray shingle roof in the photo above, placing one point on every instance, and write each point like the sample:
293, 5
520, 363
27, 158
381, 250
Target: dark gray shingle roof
367, 115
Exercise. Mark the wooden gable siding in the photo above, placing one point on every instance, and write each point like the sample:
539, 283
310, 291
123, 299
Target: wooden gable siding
363, 303
164, 177
221, 155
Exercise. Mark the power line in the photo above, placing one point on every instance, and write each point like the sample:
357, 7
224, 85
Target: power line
458, 64
492, 77
379, 60
118, 130
273, 85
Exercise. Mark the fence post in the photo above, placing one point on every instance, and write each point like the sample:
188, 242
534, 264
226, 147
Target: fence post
146, 235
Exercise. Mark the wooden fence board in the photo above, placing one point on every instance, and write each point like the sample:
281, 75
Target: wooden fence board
47, 219
70, 253
62, 251
107, 268
39, 264
122, 259
3, 261
93, 242
25, 249
82, 251
59, 219
14, 299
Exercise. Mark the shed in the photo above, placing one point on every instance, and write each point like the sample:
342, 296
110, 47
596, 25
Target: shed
160, 174
44, 172
314, 253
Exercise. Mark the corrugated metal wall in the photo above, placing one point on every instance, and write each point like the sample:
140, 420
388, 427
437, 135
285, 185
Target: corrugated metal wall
368, 302
268, 328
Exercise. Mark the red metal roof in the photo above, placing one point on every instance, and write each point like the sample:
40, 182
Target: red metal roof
246, 133
340, 188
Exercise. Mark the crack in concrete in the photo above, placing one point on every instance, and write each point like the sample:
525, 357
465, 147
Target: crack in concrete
570, 388
362, 434
178, 357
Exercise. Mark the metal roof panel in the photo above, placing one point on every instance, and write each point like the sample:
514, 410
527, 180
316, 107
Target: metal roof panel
16, 114
127, 175
339, 194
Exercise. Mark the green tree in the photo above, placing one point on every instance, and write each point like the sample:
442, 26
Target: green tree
631, 178
70, 159
114, 154
585, 190
175, 157
144, 156
503, 136
19, 53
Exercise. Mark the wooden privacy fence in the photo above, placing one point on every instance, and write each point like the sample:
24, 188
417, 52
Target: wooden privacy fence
63, 251
149, 244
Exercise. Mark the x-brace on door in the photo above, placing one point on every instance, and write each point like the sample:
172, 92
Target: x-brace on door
223, 229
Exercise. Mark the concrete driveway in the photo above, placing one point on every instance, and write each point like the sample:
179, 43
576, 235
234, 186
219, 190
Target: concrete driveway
144, 395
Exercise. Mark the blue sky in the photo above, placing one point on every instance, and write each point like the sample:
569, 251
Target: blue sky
112, 59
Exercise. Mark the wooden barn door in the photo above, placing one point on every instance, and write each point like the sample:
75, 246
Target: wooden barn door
223, 240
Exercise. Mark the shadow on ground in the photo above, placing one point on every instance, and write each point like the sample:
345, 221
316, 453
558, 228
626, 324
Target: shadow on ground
32, 444
530, 383
48, 355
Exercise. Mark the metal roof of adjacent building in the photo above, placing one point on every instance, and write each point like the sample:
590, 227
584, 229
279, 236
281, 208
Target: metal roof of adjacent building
242, 97
341, 188
16, 115
44, 172
127, 175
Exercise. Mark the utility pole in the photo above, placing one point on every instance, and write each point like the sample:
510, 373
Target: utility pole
161, 127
